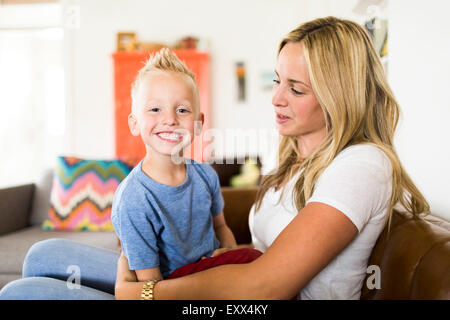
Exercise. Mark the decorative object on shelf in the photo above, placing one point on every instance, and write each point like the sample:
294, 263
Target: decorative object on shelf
384, 49
240, 75
374, 15
188, 42
377, 29
229, 167
249, 175
126, 41
266, 80
147, 46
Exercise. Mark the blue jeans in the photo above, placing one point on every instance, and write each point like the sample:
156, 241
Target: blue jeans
59, 269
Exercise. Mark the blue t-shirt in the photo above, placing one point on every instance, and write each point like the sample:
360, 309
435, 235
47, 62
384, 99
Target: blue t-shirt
167, 226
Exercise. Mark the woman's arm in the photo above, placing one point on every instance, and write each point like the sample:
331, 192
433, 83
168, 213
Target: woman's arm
313, 238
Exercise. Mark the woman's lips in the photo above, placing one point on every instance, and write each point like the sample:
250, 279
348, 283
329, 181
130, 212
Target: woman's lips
281, 118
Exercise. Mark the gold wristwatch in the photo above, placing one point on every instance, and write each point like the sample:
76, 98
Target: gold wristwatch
147, 290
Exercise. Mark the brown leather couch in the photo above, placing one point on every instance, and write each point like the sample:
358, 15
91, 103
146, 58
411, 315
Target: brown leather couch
414, 258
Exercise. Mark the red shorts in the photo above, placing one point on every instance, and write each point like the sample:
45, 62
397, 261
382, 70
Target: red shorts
238, 256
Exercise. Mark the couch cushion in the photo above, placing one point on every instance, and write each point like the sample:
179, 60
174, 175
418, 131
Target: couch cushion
14, 246
413, 259
82, 193
41, 199
6, 278
432, 280
238, 202
15, 203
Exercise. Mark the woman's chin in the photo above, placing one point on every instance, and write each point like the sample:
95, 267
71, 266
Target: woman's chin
285, 132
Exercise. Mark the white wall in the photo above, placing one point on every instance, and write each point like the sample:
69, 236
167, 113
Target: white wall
419, 68
419, 74
236, 30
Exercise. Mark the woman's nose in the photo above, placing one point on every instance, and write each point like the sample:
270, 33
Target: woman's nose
278, 97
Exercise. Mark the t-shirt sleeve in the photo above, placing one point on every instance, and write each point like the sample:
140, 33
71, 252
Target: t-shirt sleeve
358, 186
136, 232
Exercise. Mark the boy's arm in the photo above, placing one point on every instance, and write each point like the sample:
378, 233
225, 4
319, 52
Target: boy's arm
149, 274
132, 281
143, 274
223, 232
134, 230
246, 245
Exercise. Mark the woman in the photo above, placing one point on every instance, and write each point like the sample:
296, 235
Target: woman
319, 214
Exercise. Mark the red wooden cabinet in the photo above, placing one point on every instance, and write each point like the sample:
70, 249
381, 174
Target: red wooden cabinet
126, 67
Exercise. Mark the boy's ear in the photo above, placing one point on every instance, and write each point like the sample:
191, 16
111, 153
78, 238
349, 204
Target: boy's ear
199, 124
132, 123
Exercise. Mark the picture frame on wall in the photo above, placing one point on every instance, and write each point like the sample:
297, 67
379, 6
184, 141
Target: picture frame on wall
126, 41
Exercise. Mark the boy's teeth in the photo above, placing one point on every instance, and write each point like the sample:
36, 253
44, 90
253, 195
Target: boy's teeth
170, 136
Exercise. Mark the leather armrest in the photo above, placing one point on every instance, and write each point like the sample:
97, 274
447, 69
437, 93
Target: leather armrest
15, 206
238, 202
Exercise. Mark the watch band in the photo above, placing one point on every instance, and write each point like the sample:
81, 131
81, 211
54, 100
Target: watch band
147, 290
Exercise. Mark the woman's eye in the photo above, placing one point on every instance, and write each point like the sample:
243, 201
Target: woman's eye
275, 81
296, 91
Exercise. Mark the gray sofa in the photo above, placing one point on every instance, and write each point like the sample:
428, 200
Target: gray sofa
25, 207
22, 211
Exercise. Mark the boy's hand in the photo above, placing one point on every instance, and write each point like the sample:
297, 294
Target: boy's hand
219, 251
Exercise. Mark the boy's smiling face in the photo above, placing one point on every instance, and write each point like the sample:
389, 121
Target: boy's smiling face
165, 109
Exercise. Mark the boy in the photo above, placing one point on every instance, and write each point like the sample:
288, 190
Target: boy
168, 214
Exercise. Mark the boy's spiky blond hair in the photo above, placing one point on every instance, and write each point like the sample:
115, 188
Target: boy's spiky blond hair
164, 60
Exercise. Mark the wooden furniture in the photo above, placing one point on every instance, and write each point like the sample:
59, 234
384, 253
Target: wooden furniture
126, 67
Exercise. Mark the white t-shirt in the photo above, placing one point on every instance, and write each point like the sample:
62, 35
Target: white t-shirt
358, 183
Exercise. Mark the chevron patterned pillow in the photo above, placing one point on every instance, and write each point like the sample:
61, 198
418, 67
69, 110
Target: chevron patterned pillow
82, 193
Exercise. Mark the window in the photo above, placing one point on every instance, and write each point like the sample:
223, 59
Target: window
32, 91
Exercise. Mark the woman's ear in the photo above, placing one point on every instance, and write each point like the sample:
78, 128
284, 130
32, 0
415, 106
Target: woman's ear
133, 124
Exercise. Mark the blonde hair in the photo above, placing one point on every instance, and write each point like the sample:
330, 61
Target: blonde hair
349, 82
164, 60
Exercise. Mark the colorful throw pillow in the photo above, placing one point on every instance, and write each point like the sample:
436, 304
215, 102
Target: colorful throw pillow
82, 193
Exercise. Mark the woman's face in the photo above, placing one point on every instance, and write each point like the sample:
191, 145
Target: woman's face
298, 113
